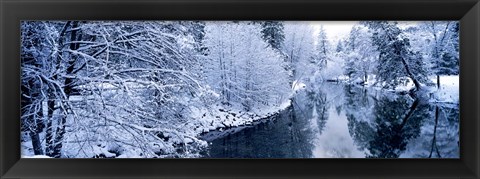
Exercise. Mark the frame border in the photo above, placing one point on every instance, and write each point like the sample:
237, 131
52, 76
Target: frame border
13, 11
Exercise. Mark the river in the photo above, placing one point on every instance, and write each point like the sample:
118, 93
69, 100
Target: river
343, 121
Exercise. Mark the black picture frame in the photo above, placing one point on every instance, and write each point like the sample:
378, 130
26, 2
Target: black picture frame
13, 11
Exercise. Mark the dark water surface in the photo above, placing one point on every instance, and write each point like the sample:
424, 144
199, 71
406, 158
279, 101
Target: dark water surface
342, 121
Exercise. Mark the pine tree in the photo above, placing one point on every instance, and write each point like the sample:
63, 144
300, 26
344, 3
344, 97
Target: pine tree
339, 47
322, 48
272, 33
352, 40
449, 59
396, 59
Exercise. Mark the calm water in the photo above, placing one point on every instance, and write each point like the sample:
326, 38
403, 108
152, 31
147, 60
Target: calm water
341, 121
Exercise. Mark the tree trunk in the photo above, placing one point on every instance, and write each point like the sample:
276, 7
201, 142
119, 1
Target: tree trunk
407, 68
39, 125
33, 123
52, 144
49, 130
36, 143
402, 56
68, 85
438, 81
57, 148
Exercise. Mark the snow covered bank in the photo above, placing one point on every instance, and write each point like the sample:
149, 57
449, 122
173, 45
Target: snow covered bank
221, 118
449, 91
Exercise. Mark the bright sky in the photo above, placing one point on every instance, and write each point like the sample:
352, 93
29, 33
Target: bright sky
334, 29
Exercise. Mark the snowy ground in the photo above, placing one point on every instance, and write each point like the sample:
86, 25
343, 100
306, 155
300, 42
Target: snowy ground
222, 118
449, 91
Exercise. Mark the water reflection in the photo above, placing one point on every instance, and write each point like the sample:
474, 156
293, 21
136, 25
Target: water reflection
335, 141
342, 121
286, 136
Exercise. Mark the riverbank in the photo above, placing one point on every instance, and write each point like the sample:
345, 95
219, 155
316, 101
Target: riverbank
447, 93
222, 121
225, 131
221, 118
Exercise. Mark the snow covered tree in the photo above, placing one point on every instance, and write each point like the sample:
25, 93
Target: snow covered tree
445, 48
441, 40
351, 57
124, 75
299, 47
451, 57
396, 59
151, 89
36, 45
272, 33
340, 47
145, 74
352, 42
44, 67
360, 54
197, 30
322, 48
241, 63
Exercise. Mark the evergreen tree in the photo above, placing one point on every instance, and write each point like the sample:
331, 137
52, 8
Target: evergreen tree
272, 33
197, 31
351, 42
339, 47
449, 59
322, 49
442, 40
396, 59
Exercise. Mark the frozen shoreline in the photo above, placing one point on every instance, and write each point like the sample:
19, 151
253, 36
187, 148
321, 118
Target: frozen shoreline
227, 119
447, 93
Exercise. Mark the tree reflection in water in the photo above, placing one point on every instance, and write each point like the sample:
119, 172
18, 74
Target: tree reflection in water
336, 121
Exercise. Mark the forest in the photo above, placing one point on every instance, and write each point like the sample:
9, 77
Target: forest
158, 89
